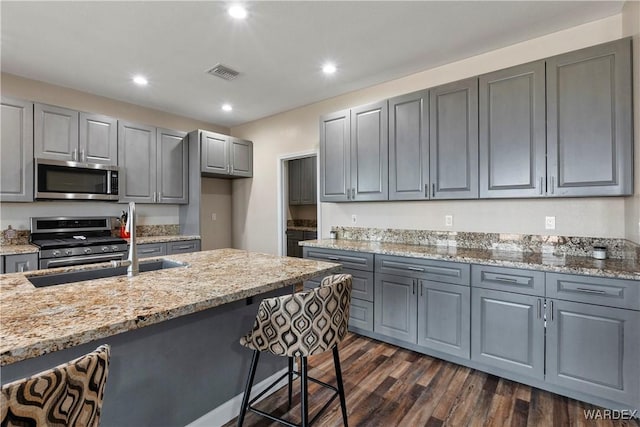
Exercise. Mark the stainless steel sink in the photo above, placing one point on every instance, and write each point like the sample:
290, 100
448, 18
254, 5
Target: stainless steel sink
99, 273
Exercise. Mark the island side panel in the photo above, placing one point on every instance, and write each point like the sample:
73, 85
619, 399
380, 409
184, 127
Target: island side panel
171, 373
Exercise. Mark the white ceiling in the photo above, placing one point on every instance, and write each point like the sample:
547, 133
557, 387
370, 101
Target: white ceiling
279, 49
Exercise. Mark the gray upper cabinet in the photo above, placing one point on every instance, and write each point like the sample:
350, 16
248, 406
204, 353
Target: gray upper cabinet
98, 139
16, 145
137, 160
295, 184
335, 165
409, 146
369, 152
225, 156
589, 123
454, 140
172, 166
594, 350
56, 133
302, 181
512, 132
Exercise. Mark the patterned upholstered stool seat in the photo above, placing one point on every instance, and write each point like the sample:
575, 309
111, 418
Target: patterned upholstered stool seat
70, 394
301, 325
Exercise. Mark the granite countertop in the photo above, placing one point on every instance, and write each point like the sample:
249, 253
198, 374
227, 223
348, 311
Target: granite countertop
301, 228
36, 321
18, 249
162, 239
614, 268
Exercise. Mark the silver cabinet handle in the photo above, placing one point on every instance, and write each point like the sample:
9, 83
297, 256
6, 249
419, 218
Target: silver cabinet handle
507, 279
414, 286
333, 258
591, 291
421, 288
154, 197
551, 309
74, 155
83, 158
227, 168
353, 193
184, 247
148, 251
159, 197
539, 308
21, 268
231, 169
415, 268
348, 194
426, 190
433, 190
552, 184
541, 182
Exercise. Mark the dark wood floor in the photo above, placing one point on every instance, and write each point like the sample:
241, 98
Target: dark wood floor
389, 386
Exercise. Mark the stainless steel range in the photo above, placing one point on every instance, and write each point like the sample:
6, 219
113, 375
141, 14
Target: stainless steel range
66, 241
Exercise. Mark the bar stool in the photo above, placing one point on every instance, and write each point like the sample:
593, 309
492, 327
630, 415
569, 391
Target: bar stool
68, 395
301, 325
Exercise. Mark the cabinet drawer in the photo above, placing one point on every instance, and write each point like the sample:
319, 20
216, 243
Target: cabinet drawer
21, 262
594, 290
147, 250
527, 282
438, 271
183, 247
361, 315
349, 259
362, 285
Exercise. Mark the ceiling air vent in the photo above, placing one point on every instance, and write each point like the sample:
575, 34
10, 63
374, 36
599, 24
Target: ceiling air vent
223, 72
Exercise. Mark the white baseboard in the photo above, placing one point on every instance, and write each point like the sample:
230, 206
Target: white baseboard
231, 408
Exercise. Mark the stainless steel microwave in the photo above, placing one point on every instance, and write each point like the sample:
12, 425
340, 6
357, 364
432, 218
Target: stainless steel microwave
58, 179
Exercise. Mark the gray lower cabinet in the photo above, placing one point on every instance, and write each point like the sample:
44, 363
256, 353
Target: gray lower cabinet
594, 350
225, 156
453, 140
16, 145
444, 318
409, 146
395, 307
172, 165
21, 262
335, 155
98, 139
293, 238
147, 250
507, 331
589, 122
183, 246
512, 132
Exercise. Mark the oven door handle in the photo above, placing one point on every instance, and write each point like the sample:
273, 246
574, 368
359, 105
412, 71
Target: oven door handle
82, 260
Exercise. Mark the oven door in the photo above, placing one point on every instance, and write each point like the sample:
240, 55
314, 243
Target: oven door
56, 179
81, 260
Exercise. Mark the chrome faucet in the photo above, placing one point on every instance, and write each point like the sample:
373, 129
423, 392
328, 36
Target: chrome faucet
132, 258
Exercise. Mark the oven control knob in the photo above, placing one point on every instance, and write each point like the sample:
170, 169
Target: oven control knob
55, 253
87, 250
114, 248
105, 249
67, 252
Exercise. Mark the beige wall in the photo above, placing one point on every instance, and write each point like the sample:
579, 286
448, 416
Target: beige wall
215, 202
255, 200
631, 27
17, 214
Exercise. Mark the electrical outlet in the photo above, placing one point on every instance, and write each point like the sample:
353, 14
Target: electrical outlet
214, 216
550, 222
354, 219
448, 220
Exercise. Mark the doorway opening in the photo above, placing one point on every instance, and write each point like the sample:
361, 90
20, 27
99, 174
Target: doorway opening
298, 207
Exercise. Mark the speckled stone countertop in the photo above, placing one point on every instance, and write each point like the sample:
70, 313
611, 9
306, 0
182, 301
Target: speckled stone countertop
18, 249
614, 268
162, 239
36, 321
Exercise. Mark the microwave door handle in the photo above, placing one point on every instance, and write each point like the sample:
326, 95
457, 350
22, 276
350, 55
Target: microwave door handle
109, 182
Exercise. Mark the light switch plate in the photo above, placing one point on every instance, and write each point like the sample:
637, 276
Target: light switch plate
354, 219
448, 220
550, 222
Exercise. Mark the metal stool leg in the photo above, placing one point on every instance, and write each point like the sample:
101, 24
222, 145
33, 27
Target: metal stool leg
304, 401
343, 403
290, 380
247, 389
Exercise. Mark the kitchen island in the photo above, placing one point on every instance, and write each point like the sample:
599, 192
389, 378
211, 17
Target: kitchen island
174, 333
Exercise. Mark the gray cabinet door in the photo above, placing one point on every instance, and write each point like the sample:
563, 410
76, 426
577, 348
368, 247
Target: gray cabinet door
16, 145
20, 263
409, 146
395, 307
444, 322
589, 124
215, 153
507, 331
295, 184
137, 161
594, 350
369, 152
172, 167
98, 139
308, 182
512, 132
241, 157
360, 316
453, 141
335, 164
55, 133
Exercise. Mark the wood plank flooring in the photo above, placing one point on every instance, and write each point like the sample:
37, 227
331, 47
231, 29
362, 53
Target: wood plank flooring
389, 386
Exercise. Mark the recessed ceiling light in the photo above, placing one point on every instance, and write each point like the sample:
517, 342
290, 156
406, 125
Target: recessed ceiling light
140, 80
328, 68
227, 107
237, 11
